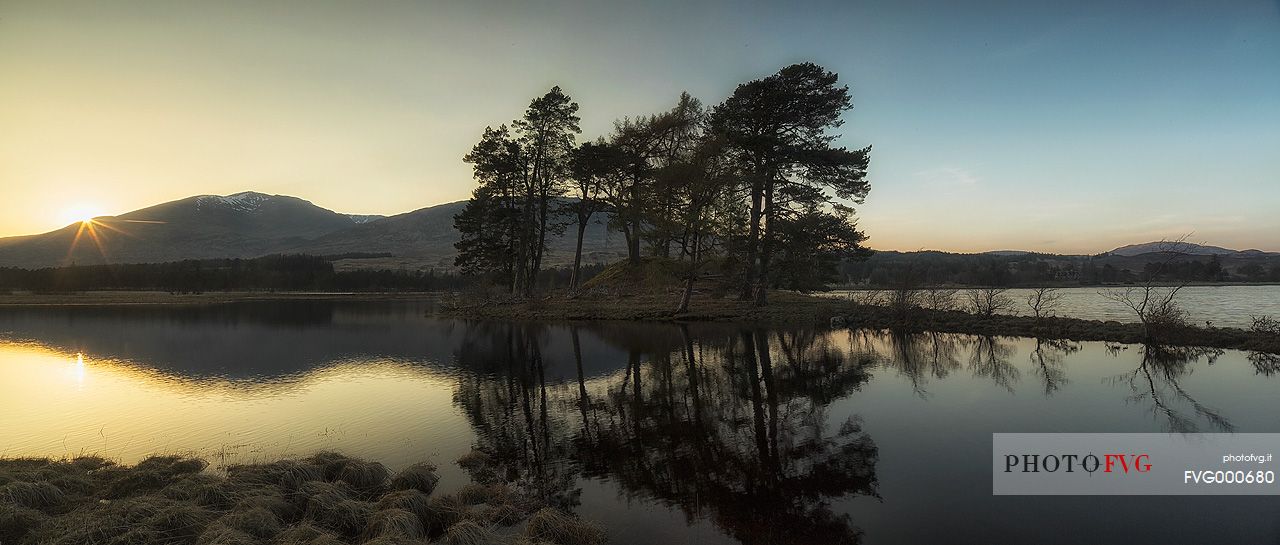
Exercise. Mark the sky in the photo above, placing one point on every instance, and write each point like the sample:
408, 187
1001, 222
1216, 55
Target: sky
1070, 127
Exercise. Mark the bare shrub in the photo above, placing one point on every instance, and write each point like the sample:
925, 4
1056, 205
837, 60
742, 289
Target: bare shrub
1265, 324
903, 300
870, 298
940, 299
988, 301
1044, 301
1155, 306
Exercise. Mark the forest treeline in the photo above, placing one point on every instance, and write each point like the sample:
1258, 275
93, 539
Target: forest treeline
892, 269
755, 182
277, 272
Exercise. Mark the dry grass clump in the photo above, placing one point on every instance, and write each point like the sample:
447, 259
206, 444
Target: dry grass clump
201, 489
306, 534
141, 521
32, 495
480, 466
330, 505
420, 477
549, 524
327, 499
287, 474
411, 501
255, 521
502, 515
221, 534
473, 494
443, 512
17, 522
395, 523
468, 532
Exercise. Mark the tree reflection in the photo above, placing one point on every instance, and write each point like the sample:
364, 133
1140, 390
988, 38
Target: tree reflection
920, 356
1157, 380
731, 428
511, 411
1046, 362
1265, 364
990, 359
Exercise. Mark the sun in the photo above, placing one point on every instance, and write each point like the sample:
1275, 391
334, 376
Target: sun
79, 213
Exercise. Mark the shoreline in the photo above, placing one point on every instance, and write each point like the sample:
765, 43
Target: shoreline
784, 309
797, 309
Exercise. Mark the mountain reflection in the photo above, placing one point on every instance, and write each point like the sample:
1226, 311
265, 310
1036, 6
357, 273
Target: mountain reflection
731, 427
758, 433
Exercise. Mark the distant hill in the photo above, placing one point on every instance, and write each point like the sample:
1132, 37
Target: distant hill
252, 224
1174, 247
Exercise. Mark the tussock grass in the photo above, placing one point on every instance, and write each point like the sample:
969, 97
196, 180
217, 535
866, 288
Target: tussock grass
330, 505
479, 465
468, 532
366, 477
412, 501
255, 521
305, 534
445, 511
32, 495
219, 533
473, 494
420, 477
549, 524
327, 499
503, 515
17, 522
288, 474
395, 523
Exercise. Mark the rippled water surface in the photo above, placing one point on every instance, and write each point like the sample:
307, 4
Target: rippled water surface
1224, 306
663, 433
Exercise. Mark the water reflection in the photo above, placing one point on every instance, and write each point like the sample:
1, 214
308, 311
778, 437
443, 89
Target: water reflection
730, 427
1156, 383
751, 435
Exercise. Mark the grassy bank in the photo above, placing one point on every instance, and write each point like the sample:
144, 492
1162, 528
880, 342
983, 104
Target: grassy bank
796, 309
327, 499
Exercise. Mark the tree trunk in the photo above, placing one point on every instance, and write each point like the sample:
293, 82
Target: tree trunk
753, 241
577, 254
688, 283
766, 247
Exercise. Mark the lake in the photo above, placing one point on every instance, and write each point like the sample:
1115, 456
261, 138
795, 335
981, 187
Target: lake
664, 434
1225, 306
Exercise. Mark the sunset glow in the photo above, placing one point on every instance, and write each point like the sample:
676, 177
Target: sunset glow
79, 213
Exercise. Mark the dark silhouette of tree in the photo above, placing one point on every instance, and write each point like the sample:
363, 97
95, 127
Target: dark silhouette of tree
594, 166
505, 225
778, 129
491, 224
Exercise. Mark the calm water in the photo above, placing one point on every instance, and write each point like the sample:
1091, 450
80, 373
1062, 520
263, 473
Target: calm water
704, 434
1230, 306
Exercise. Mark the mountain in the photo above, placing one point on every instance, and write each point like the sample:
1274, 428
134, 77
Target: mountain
245, 224
424, 238
1181, 248
252, 224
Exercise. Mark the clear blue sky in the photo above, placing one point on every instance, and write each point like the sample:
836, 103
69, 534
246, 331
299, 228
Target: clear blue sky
1057, 126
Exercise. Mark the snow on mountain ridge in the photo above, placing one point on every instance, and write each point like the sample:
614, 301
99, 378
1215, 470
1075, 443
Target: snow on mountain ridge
245, 201
364, 218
